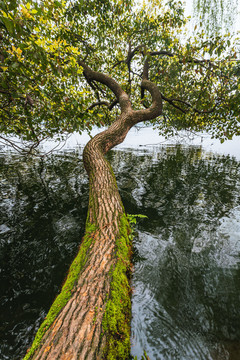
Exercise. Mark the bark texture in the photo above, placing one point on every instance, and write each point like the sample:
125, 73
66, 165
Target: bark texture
95, 321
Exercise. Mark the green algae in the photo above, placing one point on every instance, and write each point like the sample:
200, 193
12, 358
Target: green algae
67, 289
117, 316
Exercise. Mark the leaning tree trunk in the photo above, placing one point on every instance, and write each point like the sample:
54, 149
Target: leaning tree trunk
90, 319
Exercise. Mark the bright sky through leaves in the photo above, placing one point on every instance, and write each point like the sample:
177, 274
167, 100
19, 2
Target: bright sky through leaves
43, 91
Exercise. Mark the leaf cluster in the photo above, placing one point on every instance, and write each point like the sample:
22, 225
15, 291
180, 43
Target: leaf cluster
43, 90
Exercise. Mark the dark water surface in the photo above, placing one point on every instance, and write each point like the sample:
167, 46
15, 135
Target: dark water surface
187, 253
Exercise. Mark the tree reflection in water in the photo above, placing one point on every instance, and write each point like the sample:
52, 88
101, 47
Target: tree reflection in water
186, 280
43, 211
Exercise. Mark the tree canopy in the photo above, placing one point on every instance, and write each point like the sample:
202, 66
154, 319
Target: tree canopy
46, 44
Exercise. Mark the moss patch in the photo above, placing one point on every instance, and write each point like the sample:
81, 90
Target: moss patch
117, 316
67, 289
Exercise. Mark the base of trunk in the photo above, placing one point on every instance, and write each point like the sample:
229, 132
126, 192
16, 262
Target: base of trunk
103, 330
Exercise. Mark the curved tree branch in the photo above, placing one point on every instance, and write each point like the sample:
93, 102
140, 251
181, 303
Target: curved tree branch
138, 115
156, 108
110, 106
120, 94
144, 76
98, 103
130, 56
171, 101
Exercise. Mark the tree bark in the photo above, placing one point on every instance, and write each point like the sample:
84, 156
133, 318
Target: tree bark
93, 322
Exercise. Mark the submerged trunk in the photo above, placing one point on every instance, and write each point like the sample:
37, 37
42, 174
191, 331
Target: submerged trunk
90, 319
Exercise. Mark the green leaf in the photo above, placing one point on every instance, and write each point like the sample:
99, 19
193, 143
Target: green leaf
9, 24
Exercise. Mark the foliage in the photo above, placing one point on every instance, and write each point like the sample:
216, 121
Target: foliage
43, 90
217, 16
132, 218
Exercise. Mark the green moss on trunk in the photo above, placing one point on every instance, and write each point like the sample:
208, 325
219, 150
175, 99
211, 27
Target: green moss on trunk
67, 289
117, 316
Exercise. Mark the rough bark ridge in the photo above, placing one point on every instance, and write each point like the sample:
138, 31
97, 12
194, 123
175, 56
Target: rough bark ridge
90, 325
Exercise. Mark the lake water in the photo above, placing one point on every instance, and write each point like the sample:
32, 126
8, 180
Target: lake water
186, 282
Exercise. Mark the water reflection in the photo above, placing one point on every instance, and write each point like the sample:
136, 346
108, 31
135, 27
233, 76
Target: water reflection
42, 211
186, 281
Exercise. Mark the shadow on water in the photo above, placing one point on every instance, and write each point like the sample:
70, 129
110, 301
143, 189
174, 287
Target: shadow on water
187, 274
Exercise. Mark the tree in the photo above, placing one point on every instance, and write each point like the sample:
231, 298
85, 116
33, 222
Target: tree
218, 16
66, 66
